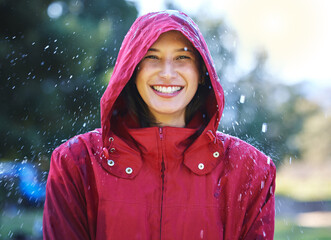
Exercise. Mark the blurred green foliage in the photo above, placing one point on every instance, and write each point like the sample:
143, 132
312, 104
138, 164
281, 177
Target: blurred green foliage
288, 229
52, 70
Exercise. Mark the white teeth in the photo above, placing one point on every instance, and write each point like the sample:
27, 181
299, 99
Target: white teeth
166, 89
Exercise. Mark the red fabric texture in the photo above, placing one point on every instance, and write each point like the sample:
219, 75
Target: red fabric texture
158, 183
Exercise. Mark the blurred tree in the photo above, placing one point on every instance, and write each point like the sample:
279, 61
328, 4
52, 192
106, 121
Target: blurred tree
55, 56
265, 112
314, 140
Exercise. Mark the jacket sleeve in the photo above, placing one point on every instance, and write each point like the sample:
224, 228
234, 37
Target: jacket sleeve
260, 218
65, 214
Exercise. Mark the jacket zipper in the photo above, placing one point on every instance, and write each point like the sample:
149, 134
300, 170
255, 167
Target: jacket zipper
162, 179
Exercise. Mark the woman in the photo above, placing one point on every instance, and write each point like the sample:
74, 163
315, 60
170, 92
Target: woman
158, 168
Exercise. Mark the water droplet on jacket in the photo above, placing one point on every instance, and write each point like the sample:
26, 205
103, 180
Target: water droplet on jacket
262, 184
239, 197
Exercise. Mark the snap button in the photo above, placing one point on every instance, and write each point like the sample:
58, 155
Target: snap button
201, 166
128, 170
110, 162
216, 154
111, 139
112, 149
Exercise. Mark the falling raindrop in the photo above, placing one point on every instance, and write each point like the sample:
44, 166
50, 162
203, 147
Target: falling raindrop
55, 10
242, 99
290, 160
264, 127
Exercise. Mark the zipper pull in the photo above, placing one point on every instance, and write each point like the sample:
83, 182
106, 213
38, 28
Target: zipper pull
161, 132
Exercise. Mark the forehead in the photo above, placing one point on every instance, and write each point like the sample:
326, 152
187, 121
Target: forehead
173, 37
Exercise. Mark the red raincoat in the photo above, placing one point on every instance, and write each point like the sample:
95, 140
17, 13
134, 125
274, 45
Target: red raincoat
122, 182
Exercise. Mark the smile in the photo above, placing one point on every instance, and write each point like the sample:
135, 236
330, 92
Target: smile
167, 90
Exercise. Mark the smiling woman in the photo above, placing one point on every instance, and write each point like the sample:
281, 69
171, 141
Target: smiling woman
158, 168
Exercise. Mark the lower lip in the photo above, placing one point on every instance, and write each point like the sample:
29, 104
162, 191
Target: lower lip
167, 95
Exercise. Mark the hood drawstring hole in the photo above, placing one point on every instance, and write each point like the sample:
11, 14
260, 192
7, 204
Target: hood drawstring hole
111, 139
128, 170
201, 166
216, 154
110, 162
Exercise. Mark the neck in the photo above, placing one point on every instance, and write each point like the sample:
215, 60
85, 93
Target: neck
170, 121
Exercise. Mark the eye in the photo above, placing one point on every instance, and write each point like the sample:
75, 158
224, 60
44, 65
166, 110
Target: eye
183, 57
151, 57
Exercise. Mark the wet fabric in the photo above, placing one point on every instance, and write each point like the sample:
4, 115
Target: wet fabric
126, 182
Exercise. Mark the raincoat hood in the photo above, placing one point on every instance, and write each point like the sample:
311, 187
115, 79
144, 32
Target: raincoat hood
141, 36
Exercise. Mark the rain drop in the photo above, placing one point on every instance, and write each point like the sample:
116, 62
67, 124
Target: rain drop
55, 10
264, 127
242, 99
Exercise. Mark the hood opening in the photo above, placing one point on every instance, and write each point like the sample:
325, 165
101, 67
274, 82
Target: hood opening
143, 33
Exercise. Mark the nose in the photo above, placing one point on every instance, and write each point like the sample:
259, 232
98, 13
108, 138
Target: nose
167, 70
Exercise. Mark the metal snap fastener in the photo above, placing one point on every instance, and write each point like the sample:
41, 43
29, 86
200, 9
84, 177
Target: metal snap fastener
201, 166
216, 154
110, 162
112, 149
128, 170
111, 139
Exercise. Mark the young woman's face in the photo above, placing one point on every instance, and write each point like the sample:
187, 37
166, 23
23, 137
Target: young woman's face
168, 76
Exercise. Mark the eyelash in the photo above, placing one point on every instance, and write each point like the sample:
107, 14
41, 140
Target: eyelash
151, 57
177, 58
183, 57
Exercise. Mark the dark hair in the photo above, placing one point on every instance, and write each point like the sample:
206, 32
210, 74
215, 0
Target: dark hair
139, 110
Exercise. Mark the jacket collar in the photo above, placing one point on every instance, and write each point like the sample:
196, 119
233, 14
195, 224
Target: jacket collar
124, 158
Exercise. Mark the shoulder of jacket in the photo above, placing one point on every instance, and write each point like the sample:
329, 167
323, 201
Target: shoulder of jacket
242, 152
77, 148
